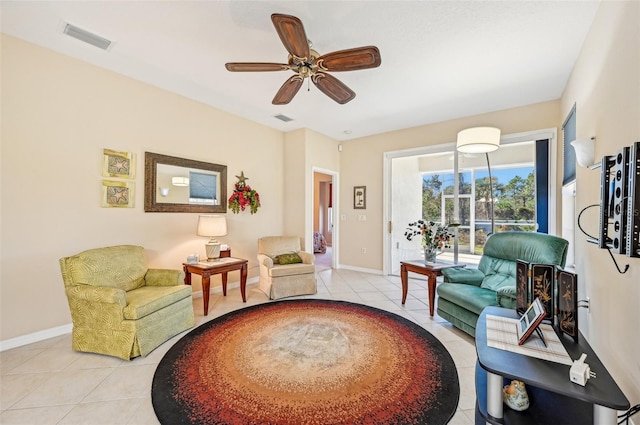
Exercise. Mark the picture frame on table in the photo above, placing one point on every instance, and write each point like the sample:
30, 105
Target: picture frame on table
360, 197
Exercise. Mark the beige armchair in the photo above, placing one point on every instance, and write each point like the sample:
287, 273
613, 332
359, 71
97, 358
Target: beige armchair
119, 306
285, 280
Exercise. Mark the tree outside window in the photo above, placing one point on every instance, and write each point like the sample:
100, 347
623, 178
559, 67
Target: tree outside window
513, 201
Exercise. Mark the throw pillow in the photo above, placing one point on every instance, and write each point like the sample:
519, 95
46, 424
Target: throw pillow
291, 258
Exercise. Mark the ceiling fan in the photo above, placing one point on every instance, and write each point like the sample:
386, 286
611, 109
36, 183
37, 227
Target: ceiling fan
306, 62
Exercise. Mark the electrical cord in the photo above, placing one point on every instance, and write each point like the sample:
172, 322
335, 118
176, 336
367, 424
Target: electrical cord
627, 415
580, 215
626, 267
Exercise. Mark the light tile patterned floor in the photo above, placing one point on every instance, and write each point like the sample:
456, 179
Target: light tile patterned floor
48, 383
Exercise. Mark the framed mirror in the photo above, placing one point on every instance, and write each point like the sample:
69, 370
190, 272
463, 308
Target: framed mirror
174, 184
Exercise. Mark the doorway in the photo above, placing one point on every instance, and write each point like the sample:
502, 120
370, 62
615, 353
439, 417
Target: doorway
324, 218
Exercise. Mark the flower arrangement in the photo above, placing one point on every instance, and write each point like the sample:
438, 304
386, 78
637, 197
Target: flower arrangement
434, 236
243, 196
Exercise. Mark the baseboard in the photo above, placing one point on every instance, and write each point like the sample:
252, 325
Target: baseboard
66, 329
359, 269
35, 337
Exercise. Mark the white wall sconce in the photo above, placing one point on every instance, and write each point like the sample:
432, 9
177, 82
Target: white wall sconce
585, 151
164, 192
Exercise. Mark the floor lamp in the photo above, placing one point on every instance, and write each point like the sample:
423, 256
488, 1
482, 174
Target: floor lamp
481, 140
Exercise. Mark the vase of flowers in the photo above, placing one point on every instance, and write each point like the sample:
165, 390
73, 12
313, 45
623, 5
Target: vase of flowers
430, 254
434, 237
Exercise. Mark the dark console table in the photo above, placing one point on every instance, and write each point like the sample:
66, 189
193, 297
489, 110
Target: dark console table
554, 399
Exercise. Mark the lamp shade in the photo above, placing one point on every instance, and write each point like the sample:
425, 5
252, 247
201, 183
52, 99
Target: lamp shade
478, 140
585, 151
212, 225
180, 181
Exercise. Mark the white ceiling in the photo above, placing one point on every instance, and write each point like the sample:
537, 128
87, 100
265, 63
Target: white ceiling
440, 59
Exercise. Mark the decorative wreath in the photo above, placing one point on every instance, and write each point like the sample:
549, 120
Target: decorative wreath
243, 196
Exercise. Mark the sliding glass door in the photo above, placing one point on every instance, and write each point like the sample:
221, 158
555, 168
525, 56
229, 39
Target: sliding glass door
425, 186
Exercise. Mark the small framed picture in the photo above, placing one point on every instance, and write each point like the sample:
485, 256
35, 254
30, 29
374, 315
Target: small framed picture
360, 197
118, 164
117, 194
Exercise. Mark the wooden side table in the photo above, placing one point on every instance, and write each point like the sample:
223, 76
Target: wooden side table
430, 270
223, 266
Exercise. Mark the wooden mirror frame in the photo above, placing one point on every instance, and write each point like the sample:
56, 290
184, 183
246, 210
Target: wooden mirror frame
151, 161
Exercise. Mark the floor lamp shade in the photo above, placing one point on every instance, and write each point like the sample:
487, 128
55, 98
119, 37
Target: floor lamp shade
212, 226
478, 140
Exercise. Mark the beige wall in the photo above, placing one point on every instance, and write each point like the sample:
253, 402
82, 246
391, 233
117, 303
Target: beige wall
605, 87
305, 150
362, 161
294, 184
58, 114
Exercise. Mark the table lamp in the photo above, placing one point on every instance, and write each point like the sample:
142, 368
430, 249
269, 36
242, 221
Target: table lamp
212, 226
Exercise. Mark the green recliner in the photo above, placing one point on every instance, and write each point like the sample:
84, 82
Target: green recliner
465, 292
119, 306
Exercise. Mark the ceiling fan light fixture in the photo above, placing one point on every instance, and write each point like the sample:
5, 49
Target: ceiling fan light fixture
306, 62
478, 140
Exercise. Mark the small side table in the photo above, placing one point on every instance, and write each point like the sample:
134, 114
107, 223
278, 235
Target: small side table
223, 267
431, 270
555, 399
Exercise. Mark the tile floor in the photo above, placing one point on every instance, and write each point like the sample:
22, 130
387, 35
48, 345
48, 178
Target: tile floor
48, 383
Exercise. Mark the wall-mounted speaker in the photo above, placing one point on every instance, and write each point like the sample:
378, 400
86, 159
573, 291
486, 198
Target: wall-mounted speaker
633, 202
619, 199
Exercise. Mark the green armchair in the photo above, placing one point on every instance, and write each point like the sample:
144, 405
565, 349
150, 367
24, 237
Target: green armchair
119, 306
465, 292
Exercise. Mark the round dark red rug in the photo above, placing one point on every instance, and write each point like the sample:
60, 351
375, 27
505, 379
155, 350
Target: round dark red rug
306, 362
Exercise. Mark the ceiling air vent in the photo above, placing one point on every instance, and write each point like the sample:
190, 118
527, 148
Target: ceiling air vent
87, 37
283, 118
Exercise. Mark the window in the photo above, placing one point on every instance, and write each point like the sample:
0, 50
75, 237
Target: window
420, 183
202, 188
513, 202
569, 135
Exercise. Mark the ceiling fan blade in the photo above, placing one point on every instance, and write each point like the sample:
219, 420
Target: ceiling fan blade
288, 90
350, 59
255, 66
333, 87
292, 35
